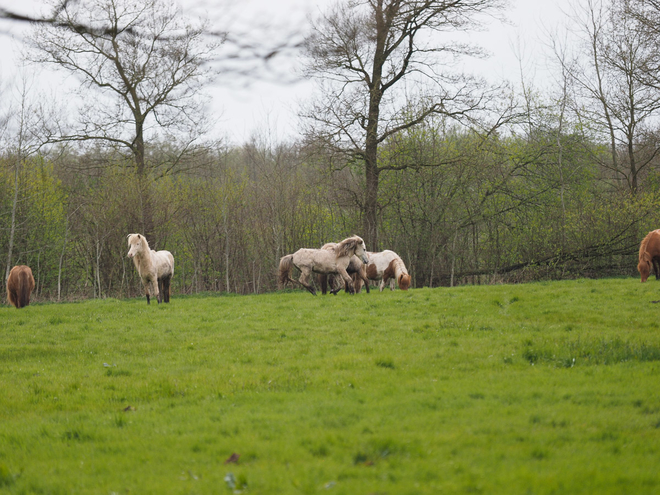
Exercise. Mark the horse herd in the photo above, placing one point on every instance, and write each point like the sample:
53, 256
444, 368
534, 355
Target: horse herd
347, 261
343, 259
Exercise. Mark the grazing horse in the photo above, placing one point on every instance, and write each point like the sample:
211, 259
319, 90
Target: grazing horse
388, 266
155, 267
649, 255
20, 285
325, 261
356, 269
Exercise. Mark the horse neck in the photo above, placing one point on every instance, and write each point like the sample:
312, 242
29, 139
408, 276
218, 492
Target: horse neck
143, 259
340, 249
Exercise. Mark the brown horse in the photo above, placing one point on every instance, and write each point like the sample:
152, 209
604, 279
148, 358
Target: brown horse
649, 255
356, 269
328, 261
20, 285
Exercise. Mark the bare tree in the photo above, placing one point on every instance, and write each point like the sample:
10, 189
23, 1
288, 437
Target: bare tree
612, 97
142, 66
384, 67
22, 140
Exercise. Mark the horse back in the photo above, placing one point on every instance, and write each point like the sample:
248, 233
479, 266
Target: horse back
318, 260
653, 245
164, 262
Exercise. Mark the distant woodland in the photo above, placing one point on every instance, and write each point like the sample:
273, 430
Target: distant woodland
469, 181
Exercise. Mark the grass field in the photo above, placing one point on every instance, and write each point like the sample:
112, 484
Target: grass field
518, 389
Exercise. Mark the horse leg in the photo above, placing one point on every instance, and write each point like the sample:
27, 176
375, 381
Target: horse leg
153, 288
160, 290
323, 282
156, 286
304, 280
347, 279
656, 267
333, 284
357, 282
146, 290
364, 279
166, 288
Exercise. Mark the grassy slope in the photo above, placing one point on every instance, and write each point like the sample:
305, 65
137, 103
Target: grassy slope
463, 390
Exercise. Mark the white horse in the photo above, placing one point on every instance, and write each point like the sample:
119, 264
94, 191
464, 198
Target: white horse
155, 267
388, 266
334, 260
356, 269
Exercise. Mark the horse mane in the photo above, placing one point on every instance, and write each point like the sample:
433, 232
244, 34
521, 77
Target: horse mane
400, 273
131, 237
344, 247
399, 266
643, 255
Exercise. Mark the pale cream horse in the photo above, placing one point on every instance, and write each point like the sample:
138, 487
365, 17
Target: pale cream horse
388, 266
326, 261
356, 269
155, 267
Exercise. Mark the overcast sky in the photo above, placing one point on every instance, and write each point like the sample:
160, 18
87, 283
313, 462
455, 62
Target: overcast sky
266, 105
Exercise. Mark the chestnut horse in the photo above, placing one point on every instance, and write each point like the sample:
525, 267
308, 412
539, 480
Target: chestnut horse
20, 285
326, 261
388, 266
155, 267
356, 269
649, 255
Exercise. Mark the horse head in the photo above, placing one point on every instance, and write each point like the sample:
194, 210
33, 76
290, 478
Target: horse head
644, 267
354, 246
136, 243
404, 281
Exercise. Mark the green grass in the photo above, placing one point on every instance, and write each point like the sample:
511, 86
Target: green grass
518, 389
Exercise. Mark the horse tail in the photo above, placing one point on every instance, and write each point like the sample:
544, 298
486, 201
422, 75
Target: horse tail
286, 265
19, 286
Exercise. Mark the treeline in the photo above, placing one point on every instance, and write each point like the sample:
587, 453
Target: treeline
458, 207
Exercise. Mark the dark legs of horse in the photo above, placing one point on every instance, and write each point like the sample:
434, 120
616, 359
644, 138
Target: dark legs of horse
166, 288
358, 281
335, 285
656, 267
348, 281
323, 282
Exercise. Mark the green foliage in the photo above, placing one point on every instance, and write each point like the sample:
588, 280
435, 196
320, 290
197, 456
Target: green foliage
457, 207
469, 389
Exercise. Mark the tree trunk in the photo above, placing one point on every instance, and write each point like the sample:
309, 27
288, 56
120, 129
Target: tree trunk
147, 220
371, 207
14, 207
371, 141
